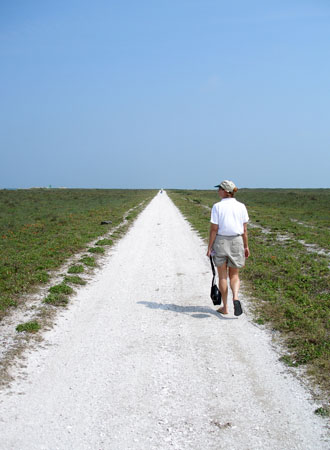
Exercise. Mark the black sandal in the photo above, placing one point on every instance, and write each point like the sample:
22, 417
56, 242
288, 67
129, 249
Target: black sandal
237, 308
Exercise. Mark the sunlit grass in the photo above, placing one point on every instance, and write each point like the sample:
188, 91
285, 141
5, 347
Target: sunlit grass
41, 228
289, 283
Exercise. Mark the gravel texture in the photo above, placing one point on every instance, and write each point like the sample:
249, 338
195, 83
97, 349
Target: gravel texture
141, 360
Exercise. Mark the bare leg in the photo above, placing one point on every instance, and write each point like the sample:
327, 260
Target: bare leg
223, 286
234, 281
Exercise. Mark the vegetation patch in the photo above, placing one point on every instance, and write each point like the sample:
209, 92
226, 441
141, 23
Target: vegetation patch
7, 301
290, 284
104, 242
56, 299
286, 359
61, 289
323, 412
29, 327
88, 261
260, 321
78, 268
99, 250
74, 280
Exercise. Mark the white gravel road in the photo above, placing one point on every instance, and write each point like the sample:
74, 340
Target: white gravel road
141, 360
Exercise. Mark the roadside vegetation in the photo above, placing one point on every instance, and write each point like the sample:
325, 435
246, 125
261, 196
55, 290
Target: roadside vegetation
287, 274
29, 327
41, 228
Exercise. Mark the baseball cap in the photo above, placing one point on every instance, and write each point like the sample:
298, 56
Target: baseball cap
227, 186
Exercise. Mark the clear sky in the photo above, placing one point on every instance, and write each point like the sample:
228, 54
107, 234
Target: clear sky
164, 93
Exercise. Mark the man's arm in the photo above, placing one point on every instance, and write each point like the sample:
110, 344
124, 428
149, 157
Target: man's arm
246, 242
213, 235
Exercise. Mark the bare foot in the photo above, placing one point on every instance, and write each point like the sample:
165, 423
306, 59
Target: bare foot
222, 310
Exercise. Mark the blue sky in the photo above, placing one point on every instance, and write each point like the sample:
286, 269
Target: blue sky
164, 93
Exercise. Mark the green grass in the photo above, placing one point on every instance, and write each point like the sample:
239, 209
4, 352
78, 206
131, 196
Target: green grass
287, 359
58, 294
74, 280
99, 250
57, 299
29, 327
88, 261
302, 212
41, 228
77, 268
289, 284
61, 289
323, 412
104, 242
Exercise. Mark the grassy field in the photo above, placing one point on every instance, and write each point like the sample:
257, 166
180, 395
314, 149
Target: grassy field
288, 271
41, 228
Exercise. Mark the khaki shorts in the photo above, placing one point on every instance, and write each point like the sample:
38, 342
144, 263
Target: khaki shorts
230, 250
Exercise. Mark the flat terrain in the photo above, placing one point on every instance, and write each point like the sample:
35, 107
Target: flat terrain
141, 360
41, 228
288, 272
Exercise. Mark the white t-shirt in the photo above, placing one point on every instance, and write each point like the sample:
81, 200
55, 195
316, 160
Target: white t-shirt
230, 215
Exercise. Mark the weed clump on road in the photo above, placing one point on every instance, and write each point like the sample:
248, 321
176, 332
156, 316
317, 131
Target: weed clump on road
57, 299
88, 261
59, 294
323, 412
74, 280
77, 268
104, 242
29, 327
61, 289
96, 250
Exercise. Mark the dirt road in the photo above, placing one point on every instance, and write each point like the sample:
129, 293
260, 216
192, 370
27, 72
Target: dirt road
141, 360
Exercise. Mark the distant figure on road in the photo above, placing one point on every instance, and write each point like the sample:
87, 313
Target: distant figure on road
228, 242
